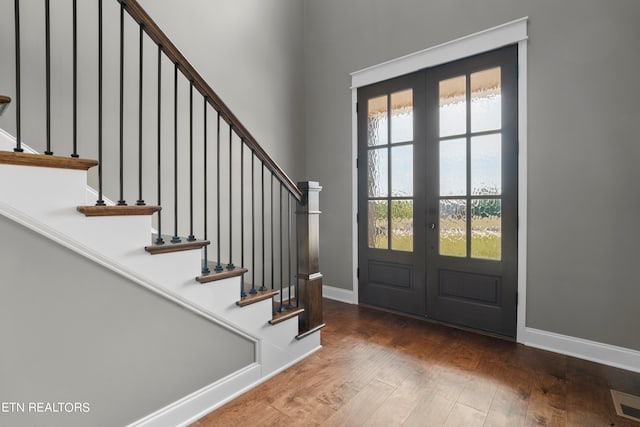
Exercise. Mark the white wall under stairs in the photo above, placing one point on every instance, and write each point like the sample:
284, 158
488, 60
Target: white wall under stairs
45, 200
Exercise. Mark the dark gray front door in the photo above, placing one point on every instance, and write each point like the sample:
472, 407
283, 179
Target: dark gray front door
438, 193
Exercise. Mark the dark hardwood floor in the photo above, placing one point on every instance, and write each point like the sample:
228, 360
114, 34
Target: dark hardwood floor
381, 369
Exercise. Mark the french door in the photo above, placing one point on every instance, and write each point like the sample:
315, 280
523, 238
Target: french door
437, 192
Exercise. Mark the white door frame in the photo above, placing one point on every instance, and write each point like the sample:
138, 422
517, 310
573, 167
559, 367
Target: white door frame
514, 32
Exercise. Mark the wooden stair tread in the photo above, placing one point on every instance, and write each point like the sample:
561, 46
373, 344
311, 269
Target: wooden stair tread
169, 247
118, 210
219, 275
257, 297
44, 161
305, 334
4, 99
284, 315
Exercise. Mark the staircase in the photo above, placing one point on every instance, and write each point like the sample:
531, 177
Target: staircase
239, 189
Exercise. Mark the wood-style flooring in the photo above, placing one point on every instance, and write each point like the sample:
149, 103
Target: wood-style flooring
381, 369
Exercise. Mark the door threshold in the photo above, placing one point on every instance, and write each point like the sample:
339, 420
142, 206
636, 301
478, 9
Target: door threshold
439, 322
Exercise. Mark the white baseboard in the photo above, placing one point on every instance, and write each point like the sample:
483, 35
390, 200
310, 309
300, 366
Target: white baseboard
182, 412
593, 351
195, 406
339, 294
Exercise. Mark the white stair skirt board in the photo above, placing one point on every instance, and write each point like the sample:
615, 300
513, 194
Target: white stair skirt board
606, 354
117, 243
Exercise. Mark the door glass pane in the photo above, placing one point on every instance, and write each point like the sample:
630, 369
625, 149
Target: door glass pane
378, 172
453, 167
453, 106
402, 225
377, 122
486, 103
453, 227
402, 116
486, 229
402, 171
378, 224
486, 165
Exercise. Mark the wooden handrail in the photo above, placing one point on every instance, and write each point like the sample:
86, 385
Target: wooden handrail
136, 11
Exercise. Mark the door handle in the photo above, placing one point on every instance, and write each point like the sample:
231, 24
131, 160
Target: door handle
432, 226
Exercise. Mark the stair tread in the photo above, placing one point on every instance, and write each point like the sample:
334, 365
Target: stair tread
305, 334
288, 313
118, 210
168, 247
4, 99
219, 275
45, 161
257, 297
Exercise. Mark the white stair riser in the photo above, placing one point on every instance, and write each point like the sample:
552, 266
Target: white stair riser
42, 192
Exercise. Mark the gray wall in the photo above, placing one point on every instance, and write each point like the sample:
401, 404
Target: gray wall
251, 53
583, 141
73, 331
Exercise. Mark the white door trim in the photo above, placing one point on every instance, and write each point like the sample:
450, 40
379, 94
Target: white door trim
514, 32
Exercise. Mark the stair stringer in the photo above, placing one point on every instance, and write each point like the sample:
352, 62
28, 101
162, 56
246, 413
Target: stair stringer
117, 243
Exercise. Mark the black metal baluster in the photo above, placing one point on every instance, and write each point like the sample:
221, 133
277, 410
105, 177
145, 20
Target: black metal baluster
191, 237
242, 292
159, 240
263, 287
47, 18
140, 201
230, 266
75, 79
175, 238
253, 225
205, 262
16, 9
281, 309
121, 202
288, 306
218, 267
100, 202
272, 238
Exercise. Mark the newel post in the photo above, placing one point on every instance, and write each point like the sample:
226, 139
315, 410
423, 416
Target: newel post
309, 276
